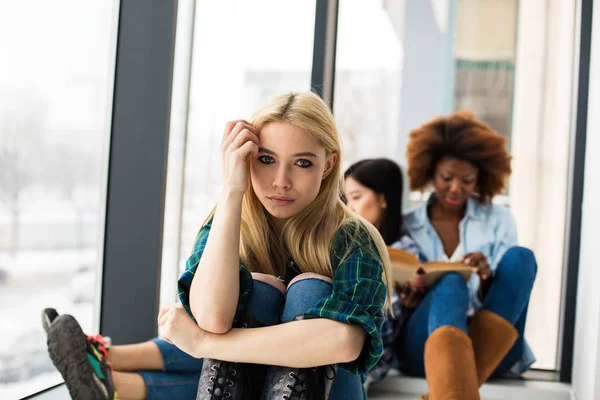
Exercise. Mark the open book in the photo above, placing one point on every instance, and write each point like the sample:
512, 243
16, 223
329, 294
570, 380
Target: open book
405, 267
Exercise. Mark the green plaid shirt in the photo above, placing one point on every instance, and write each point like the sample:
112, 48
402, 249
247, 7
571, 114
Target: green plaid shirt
358, 294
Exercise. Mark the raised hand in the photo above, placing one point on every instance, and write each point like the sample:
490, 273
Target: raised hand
240, 143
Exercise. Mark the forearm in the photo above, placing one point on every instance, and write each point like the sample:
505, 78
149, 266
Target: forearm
215, 288
300, 344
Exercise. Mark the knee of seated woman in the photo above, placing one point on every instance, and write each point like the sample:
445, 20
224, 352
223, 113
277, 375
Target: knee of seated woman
521, 260
452, 279
269, 280
451, 284
309, 275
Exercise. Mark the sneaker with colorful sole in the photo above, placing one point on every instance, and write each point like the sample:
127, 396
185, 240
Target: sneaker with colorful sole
81, 360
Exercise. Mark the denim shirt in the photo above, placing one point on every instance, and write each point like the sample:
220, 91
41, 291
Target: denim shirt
488, 228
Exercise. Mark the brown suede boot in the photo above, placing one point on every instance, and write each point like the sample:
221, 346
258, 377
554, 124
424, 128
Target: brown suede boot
492, 338
450, 365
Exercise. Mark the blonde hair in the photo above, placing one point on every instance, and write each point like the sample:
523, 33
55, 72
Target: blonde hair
307, 236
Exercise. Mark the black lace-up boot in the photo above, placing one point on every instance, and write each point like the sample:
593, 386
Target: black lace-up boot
224, 380
285, 383
220, 380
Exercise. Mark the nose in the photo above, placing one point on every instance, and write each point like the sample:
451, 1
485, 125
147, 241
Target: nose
282, 179
455, 186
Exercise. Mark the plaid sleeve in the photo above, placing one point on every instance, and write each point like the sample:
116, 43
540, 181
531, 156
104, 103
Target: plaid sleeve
185, 281
390, 331
358, 297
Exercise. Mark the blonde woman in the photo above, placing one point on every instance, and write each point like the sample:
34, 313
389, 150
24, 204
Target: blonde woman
307, 289
297, 311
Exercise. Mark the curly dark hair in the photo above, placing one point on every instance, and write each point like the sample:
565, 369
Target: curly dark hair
461, 136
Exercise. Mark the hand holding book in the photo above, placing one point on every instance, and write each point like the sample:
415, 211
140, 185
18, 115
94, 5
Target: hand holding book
479, 264
411, 293
405, 267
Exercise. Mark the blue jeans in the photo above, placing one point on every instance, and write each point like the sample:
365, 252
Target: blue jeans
447, 303
269, 306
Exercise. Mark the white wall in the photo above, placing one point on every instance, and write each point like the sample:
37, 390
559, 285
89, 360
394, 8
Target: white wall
586, 362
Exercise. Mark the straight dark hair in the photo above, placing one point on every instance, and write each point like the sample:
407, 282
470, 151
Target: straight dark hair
382, 175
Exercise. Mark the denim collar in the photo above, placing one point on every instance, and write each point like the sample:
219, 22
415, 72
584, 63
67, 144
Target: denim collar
475, 210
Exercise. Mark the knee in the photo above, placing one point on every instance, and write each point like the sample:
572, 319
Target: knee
304, 291
453, 280
521, 262
451, 285
269, 280
309, 275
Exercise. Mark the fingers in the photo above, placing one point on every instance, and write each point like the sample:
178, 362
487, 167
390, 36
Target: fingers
411, 299
242, 141
482, 269
403, 291
163, 319
465, 257
164, 335
415, 297
162, 312
247, 149
240, 127
419, 279
231, 124
469, 259
409, 295
242, 138
485, 272
477, 260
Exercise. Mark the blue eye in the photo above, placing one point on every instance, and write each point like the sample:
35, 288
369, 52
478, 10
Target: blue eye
266, 159
304, 163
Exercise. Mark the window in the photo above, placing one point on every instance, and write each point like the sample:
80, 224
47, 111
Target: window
55, 102
243, 53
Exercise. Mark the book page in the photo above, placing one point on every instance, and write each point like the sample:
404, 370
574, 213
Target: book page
436, 269
401, 257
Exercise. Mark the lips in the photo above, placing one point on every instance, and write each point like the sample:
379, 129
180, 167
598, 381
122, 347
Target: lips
280, 200
453, 201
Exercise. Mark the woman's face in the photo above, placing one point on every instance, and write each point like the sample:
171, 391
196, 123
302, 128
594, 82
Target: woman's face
454, 182
364, 201
288, 169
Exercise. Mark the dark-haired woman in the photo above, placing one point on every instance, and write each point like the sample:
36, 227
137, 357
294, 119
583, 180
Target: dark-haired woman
373, 189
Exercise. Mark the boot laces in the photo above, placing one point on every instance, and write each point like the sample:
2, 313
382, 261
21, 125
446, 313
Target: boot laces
297, 387
222, 382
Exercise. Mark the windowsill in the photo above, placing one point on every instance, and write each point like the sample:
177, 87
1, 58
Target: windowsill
58, 392
403, 387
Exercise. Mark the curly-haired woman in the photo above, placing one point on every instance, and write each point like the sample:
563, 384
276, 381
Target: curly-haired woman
461, 333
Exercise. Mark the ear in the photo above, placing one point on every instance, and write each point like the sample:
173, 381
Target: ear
329, 164
381, 201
